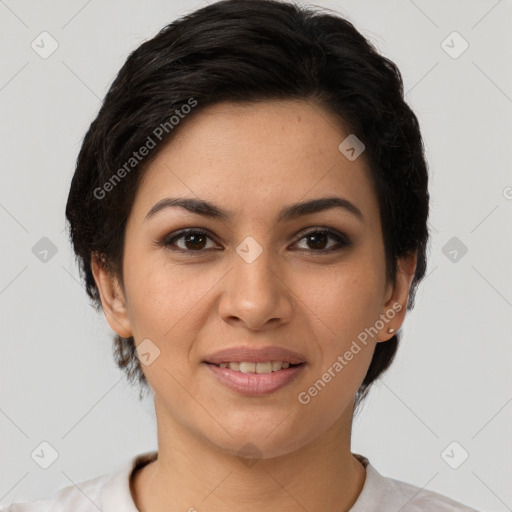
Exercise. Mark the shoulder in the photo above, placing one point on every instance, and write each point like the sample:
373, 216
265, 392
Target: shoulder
82, 497
416, 499
383, 493
108, 492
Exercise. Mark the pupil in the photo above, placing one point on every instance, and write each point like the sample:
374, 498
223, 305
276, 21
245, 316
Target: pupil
194, 239
316, 243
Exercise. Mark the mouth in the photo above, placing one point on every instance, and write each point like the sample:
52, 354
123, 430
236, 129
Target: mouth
255, 371
263, 367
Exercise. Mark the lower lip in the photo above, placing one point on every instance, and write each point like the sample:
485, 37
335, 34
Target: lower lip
255, 384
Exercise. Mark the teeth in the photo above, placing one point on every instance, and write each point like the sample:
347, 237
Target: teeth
248, 367
266, 367
276, 365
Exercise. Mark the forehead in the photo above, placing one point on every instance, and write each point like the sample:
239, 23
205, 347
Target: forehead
255, 157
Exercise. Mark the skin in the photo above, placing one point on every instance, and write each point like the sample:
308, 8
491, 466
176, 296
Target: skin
253, 159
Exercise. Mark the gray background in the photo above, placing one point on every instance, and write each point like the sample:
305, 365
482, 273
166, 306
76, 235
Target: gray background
451, 380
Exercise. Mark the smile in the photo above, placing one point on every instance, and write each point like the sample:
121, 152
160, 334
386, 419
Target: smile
245, 379
250, 367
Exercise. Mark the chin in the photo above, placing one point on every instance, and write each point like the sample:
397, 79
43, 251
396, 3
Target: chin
250, 448
260, 439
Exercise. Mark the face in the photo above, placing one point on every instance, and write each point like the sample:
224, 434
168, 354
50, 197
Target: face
270, 282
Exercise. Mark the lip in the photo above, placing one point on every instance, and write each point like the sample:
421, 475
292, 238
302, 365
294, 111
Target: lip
255, 384
254, 355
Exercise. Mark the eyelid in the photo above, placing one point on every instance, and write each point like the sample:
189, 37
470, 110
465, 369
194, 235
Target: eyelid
166, 240
343, 241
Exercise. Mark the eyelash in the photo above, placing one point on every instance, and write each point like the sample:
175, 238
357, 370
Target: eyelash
343, 240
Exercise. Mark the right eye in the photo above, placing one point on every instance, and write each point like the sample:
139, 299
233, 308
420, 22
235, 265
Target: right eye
191, 240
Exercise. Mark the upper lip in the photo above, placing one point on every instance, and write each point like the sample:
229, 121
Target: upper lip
254, 355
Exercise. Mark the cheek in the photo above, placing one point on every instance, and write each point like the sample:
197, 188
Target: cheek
167, 301
343, 304
346, 301
157, 298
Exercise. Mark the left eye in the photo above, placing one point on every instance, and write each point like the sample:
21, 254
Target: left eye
319, 238
196, 240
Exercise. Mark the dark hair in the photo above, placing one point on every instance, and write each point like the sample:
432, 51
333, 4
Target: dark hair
242, 51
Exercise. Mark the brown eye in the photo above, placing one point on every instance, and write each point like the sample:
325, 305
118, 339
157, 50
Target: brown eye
191, 240
317, 240
197, 240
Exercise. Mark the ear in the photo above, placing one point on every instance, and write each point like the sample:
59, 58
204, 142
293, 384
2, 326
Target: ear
395, 306
112, 298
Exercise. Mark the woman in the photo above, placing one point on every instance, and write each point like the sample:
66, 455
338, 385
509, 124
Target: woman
249, 209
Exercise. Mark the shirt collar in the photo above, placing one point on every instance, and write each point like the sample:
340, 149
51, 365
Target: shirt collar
116, 493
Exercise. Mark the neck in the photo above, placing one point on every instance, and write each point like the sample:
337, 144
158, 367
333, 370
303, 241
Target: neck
192, 474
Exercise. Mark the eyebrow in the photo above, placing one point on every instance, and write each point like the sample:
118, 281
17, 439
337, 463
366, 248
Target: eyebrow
207, 209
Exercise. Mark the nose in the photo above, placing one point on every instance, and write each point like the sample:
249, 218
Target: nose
255, 293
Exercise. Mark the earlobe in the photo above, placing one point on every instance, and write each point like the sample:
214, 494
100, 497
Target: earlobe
395, 306
112, 298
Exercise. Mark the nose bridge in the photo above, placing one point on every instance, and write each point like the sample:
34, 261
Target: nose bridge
253, 267
255, 292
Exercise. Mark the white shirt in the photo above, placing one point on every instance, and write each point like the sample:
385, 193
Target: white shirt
111, 493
